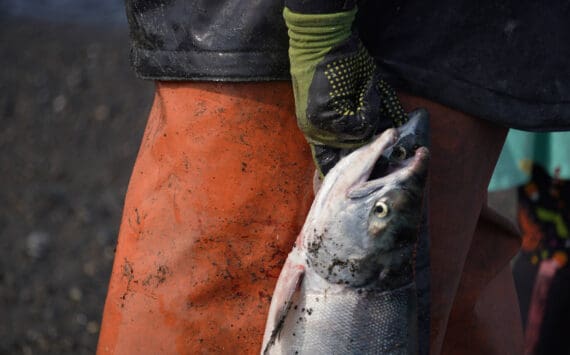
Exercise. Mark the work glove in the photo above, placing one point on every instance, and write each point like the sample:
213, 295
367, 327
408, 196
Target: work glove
340, 99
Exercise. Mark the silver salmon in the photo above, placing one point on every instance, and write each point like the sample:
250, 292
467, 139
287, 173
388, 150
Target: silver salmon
347, 287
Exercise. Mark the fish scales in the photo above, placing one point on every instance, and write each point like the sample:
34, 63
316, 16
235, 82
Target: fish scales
355, 323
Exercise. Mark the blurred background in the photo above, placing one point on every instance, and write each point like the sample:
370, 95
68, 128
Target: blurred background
72, 115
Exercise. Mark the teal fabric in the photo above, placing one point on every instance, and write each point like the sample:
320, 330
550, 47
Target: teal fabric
551, 150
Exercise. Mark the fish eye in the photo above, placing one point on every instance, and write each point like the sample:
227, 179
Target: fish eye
399, 153
381, 209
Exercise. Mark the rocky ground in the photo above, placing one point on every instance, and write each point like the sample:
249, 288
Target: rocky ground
72, 114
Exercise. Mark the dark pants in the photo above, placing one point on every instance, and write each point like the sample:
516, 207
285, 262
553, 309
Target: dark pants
474, 308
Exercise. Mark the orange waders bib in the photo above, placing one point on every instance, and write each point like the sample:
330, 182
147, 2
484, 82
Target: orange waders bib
219, 191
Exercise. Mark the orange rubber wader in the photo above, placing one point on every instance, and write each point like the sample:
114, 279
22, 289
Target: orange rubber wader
218, 194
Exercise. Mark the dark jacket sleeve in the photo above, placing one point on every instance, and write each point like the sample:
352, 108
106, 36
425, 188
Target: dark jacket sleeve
504, 62
229, 40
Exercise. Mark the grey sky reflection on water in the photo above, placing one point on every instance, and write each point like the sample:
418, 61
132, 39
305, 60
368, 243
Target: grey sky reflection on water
105, 12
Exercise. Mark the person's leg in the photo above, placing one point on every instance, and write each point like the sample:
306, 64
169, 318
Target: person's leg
464, 151
220, 189
485, 318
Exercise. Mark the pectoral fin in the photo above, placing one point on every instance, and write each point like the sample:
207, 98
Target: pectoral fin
287, 284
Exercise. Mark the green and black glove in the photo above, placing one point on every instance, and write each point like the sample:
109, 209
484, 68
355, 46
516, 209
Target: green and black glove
340, 99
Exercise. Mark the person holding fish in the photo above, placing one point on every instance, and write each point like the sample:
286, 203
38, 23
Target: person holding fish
224, 178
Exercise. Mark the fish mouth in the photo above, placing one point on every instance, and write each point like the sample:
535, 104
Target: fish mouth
388, 165
388, 170
395, 173
411, 136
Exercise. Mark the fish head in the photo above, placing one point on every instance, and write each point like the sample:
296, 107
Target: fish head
362, 230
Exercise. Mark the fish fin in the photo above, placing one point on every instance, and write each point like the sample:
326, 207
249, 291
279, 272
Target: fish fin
288, 283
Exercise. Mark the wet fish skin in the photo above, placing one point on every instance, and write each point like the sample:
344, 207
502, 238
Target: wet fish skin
347, 286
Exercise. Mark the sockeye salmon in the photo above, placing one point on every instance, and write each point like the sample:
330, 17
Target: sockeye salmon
347, 287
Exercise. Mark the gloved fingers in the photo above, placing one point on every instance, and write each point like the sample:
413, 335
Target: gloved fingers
344, 100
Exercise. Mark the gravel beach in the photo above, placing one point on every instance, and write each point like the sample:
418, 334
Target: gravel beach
72, 116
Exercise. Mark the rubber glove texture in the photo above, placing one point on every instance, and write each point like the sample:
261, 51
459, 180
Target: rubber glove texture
340, 99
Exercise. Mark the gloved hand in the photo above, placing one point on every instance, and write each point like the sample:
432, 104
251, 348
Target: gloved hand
340, 99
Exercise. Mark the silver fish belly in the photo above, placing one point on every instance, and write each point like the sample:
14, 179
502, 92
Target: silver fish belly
349, 321
347, 286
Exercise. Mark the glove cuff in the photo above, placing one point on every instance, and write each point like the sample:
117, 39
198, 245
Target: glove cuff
311, 36
320, 6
